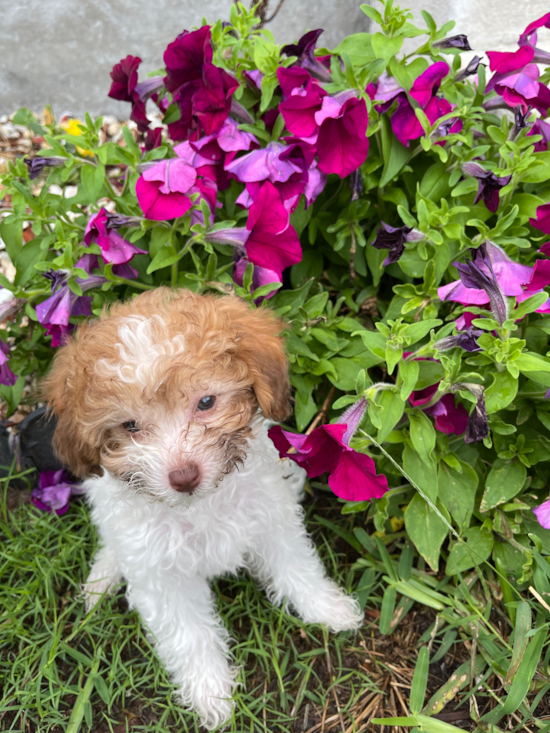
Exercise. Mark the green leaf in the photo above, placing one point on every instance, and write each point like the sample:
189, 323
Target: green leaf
524, 675
92, 179
374, 341
423, 474
12, 395
430, 372
385, 47
408, 371
387, 609
392, 410
420, 680
501, 392
394, 153
478, 547
11, 231
425, 529
505, 480
422, 435
521, 627
457, 492
165, 257
358, 47
417, 331
529, 306
529, 362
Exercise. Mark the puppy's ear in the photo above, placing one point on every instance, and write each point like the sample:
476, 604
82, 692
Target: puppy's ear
60, 389
261, 348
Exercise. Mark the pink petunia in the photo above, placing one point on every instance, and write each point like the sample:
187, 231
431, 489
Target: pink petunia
342, 143
114, 248
163, 190
542, 513
449, 418
272, 241
352, 476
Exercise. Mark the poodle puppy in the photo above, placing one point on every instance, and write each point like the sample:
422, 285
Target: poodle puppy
163, 406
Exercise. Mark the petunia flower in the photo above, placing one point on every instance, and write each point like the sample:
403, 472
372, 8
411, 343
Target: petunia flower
54, 491
272, 241
268, 240
540, 128
114, 248
163, 189
404, 121
153, 139
260, 276
460, 41
37, 165
54, 312
466, 339
489, 185
304, 49
492, 275
342, 143
542, 513
469, 70
7, 377
201, 90
449, 417
353, 475
394, 238
301, 103
125, 79
478, 424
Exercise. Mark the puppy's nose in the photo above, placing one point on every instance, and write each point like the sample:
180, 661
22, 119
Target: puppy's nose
185, 479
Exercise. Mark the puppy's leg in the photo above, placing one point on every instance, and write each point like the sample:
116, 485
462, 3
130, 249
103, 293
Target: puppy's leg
286, 562
104, 576
190, 640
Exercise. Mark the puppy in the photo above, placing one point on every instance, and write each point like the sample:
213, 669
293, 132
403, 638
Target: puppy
163, 406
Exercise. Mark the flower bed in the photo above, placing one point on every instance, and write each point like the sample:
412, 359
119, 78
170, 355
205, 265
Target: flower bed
393, 210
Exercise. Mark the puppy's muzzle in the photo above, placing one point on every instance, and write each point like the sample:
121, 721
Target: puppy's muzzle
185, 479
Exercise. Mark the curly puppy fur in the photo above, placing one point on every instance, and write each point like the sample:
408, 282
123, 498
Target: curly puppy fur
163, 406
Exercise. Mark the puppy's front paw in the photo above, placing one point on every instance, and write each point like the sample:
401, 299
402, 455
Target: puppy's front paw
103, 577
338, 611
211, 699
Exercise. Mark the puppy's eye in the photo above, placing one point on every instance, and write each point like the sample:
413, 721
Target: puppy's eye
206, 403
131, 426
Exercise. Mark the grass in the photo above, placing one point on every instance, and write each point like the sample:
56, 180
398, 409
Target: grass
63, 670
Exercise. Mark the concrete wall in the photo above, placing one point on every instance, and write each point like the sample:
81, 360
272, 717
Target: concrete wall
61, 51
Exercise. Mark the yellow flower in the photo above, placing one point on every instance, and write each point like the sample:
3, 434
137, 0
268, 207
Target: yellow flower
396, 524
72, 127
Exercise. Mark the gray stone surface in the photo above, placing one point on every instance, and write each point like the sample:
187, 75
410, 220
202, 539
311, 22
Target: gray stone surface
61, 51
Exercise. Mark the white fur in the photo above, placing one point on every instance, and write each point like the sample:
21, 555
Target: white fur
168, 553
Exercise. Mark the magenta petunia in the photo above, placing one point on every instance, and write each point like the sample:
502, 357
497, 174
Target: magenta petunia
212, 101
300, 107
7, 377
125, 88
540, 127
352, 476
449, 417
261, 276
114, 248
342, 143
542, 512
185, 57
504, 62
55, 488
404, 121
304, 51
542, 219
272, 242
293, 78
543, 22
163, 190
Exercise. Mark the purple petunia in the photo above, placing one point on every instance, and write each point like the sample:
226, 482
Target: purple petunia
101, 230
54, 491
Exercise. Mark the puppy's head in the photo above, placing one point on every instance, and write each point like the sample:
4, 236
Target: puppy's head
161, 392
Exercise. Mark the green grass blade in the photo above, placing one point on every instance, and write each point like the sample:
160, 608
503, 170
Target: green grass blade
525, 673
522, 626
420, 681
77, 715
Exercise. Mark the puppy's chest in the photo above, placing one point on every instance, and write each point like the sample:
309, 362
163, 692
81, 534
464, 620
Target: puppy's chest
217, 542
